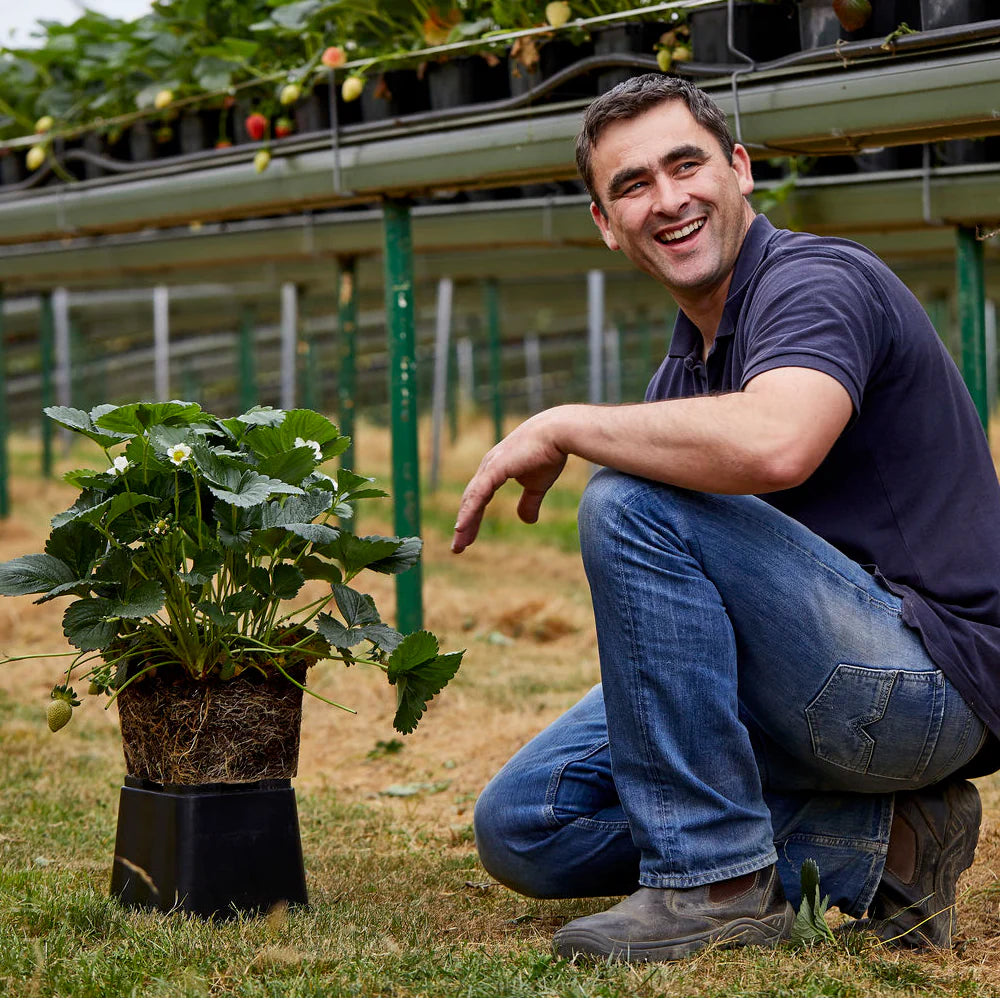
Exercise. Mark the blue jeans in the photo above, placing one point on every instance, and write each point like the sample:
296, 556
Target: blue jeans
761, 701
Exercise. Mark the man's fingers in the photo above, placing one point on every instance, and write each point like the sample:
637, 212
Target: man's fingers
530, 504
470, 513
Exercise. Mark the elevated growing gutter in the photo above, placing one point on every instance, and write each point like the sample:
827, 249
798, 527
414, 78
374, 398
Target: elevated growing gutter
796, 105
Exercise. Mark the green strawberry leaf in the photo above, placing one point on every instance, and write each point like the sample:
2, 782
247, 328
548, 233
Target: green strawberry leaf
418, 674
357, 608
289, 466
406, 556
88, 623
136, 418
251, 489
316, 568
34, 574
810, 926
83, 423
336, 633
286, 581
355, 554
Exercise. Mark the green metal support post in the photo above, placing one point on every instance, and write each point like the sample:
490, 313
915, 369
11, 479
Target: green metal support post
347, 353
399, 315
4, 426
496, 361
972, 317
46, 338
248, 361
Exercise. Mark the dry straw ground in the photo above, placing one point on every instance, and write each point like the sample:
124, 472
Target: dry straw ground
518, 601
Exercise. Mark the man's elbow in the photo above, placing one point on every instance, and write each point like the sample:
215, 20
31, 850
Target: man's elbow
786, 464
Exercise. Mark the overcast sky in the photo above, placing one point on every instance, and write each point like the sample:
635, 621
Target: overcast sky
18, 19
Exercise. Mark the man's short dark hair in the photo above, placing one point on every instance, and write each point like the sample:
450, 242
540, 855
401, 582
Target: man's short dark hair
637, 95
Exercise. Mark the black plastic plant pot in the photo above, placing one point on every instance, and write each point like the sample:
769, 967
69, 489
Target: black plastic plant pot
212, 850
470, 80
397, 93
553, 57
638, 37
819, 26
946, 13
761, 31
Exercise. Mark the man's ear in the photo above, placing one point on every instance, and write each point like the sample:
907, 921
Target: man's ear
741, 164
601, 221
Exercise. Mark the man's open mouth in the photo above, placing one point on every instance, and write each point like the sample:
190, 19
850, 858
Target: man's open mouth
676, 235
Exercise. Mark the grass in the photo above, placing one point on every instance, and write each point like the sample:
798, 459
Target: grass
399, 903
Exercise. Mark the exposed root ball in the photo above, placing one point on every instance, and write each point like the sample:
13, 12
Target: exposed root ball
176, 730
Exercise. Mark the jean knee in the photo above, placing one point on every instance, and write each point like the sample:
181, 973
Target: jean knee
505, 836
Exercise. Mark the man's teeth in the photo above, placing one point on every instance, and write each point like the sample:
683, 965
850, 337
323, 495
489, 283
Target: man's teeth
678, 234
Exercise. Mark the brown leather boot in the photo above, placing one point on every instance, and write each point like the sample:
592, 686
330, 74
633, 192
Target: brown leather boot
662, 925
932, 841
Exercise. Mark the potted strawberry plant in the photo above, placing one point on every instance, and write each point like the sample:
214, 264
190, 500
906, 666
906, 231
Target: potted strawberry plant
209, 572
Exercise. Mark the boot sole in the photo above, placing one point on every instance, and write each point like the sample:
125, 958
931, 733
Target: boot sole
766, 932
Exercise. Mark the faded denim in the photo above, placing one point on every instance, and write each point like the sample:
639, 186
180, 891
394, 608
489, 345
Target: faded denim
764, 700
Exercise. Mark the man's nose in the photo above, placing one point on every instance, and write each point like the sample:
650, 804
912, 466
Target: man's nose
669, 197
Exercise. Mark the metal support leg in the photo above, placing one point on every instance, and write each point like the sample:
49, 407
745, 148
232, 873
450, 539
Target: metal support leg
4, 425
496, 360
972, 317
347, 328
403, 391
248, 361
46, 343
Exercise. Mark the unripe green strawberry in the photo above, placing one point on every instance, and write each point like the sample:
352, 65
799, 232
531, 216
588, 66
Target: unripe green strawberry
59, 713
290, 93
94, 688
35, 157
664, 60
350, 89
261, 160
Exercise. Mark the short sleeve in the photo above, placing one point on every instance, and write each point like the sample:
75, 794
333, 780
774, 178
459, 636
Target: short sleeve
812, 310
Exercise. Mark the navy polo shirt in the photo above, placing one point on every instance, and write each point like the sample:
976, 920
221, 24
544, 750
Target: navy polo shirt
909, 489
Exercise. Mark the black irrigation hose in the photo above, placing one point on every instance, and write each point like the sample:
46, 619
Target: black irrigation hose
841, 52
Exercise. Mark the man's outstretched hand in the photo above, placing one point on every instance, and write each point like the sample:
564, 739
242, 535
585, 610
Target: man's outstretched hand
529, 455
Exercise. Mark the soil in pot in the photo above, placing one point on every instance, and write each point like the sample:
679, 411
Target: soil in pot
761, 31
179, 731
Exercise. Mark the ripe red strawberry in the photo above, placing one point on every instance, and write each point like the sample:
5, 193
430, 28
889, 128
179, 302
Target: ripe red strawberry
852, 14
282, 127
333, 56
256, 126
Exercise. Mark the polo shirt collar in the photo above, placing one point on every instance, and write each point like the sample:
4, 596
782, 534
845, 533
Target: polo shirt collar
686, 337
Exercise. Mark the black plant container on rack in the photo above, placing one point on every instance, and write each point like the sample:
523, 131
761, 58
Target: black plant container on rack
762, 31
395, 94
947, 13
639, 37
819, 26
455, 83
554, 57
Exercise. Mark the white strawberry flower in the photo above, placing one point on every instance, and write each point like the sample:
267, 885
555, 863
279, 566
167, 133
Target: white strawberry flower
118, 467
179, 453
303, 443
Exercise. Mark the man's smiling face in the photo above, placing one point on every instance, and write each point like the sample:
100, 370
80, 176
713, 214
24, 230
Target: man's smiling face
675, 205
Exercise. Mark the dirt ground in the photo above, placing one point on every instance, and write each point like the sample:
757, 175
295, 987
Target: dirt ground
522, 612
